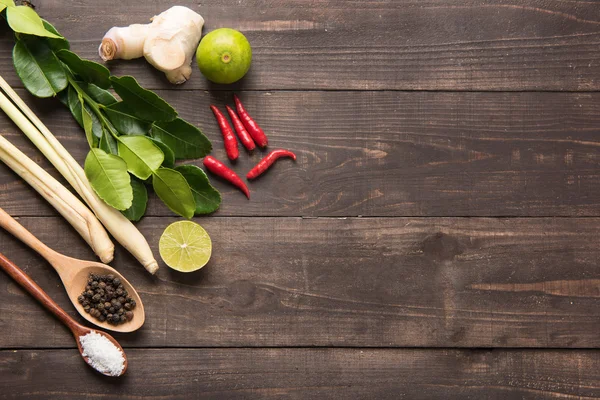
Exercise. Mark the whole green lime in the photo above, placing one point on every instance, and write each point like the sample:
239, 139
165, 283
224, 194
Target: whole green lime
224, 55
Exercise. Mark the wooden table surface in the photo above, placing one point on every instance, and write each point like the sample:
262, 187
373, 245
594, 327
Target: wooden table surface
438, 236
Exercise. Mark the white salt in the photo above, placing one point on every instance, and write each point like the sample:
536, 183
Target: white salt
102, 354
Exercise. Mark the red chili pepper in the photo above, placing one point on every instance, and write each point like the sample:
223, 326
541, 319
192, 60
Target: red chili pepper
242, 133
257, 134
231, 146
218, 168
266, 162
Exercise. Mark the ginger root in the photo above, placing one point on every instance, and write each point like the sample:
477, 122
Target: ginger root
168, 42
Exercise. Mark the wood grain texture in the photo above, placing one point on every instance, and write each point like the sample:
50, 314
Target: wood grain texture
400, 45
382, 282
308, 374
385, 153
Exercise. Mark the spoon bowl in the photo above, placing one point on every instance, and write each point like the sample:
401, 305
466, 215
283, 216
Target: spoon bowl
80, 331
75, 276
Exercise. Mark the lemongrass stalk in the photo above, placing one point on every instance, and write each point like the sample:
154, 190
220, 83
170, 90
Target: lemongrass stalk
120, 227
65, 202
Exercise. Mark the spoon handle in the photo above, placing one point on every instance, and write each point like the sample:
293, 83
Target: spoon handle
16, 229
37, 292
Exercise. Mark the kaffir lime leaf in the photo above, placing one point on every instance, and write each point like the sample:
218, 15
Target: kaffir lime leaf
224, 55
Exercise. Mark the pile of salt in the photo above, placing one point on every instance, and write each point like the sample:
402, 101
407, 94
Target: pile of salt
102, 354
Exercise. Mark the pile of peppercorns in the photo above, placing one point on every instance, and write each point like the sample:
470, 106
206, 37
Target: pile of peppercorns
105, 299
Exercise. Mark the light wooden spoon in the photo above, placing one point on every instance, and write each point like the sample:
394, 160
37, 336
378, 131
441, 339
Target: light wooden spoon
74, 274
76, 328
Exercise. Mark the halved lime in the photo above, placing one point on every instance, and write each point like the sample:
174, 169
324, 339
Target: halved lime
185, 246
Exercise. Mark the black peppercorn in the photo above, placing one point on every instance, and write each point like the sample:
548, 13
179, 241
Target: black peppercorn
106, 299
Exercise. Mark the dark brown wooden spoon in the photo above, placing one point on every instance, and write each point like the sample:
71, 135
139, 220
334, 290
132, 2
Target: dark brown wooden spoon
76, 328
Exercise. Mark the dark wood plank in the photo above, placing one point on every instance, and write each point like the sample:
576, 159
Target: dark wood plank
387, 154
308, 374
450, 282
403, 44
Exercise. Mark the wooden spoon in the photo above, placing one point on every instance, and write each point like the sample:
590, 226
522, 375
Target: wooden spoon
74, 274
76, 328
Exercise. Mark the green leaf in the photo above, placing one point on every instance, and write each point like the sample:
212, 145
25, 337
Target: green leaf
9, 3
109, 178
74, 103
89, 71
140, 200
6, 3
108, 143
172, 188
87, 123
123, 119
39, 69
63, 96
141, 155
56, 44
144, 104
169, 161
207, 198
99, 95
183, 138
23, 19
